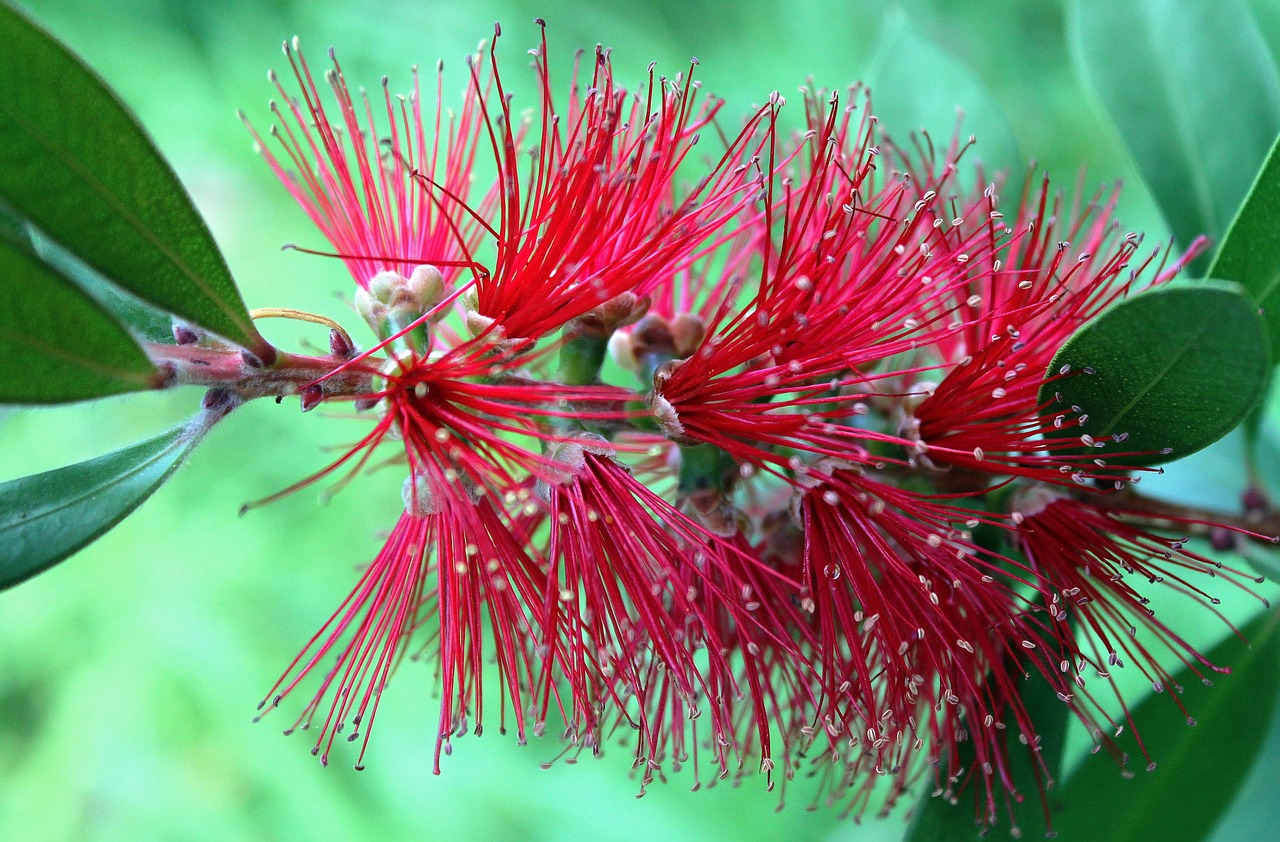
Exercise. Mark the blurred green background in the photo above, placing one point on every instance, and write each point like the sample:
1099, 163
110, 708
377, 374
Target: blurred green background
129, 675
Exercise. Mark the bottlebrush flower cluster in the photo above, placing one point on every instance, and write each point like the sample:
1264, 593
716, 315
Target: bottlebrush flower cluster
722, 441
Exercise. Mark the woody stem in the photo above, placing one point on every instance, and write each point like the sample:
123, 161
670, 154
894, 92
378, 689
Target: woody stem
289, 374
1135, 506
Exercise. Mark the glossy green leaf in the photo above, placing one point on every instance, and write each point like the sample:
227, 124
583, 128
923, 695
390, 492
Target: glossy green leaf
143, 320
1195, 95
76, 164
46, 517
1250, 253
1174, 369
1198, 770
57, 344
916, 84
939, 820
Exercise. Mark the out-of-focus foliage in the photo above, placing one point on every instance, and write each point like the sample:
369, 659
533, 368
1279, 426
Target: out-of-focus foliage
128, 678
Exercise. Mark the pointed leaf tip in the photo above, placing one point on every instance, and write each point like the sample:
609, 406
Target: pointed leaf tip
1250, 253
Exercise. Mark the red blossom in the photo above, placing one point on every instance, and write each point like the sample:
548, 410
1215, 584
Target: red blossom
655, 612
1108, 569
853, 280
1042, 277
359, 183
790, 538
922, 636
600, 211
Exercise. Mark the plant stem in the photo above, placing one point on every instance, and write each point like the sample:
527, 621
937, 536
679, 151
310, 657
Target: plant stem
289, 374
1134, 506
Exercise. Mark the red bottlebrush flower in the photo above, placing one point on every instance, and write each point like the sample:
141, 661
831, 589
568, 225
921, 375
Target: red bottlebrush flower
362, 188
469, 416
1036, 283
654, 612
921, 637
459, 577
487, 587
785, 564
1106, 565
361, 643
853, 280
467, 419
600, 212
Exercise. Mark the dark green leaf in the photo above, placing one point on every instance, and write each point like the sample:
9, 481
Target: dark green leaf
75, 163
1250, 254
939, 820
1265, 560
56, 344
145, 321
1198, 769
46, 517
1194, 92
13, 227
916, 84
1175, 368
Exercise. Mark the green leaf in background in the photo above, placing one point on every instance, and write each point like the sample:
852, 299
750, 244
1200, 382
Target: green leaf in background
1175, 368
1250, 253
76, 164
1198, 769
46, 517
938, 820
57, 344
902, 58
1195, 95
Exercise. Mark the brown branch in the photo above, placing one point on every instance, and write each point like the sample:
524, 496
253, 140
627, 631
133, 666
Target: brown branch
1134, 506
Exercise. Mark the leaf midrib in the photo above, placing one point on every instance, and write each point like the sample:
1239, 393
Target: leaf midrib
127, 376
1153, 382
37, 514
101, 190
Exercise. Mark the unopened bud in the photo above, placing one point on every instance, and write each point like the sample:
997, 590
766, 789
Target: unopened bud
652, 335
620, 351
478, 325
218, 398
384, 286
311, 396
216, 404
426, 285
373, 311
340, 345
184, 334
601, 321
687, 331
1221, 538
1254, 500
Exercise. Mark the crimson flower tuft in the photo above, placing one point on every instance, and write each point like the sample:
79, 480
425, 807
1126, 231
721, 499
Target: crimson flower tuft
726, 444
